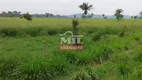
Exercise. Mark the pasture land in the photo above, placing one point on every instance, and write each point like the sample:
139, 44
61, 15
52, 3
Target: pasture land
113, 50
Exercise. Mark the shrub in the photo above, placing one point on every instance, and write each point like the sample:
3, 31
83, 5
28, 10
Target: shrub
75, 23
102, 53
77, 58
9, 32
84, 59
126, 47
124, 69
96, 37
42, 68
23, 32
122, 33
7, 67
138, 56
70, 56
92, 73
52, 31
137, 38
82, 75
112, 31
33, 31
124, 64
91, 30
27, 16
137, 73
2, 35
107, 52
86, 74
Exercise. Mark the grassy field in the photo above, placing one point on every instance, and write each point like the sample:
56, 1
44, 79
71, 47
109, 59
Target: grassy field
112, 50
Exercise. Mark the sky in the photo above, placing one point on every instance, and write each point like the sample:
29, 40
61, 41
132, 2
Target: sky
67, 7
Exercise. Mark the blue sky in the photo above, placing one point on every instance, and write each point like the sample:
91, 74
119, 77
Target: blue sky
66, 7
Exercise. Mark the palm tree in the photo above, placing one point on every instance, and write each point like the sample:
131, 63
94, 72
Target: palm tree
86, 7
118, 14
140, 14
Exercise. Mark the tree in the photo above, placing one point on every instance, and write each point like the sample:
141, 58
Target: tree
92, 15
86, 7
51, 15
140, 14
118, 14
58, 15
135, 17
28, 17
38, 16
74, 16
47, 15
10, 14
103, 15
18, 14
4, 14
132, 17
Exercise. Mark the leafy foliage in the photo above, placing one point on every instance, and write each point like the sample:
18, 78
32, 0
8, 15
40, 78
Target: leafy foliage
75, 23
118, 14
86, 7
28, 17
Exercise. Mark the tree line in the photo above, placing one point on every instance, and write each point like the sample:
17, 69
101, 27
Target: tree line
11, 14
85, 7
118, 13
20, 14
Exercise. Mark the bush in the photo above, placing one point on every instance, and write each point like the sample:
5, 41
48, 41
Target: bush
52, 31
138, 56
91, 30
124, 69
33, 31
7, 67
137, 38
92, 73
9, 32
96, 37
42, 68
71, 57
137, 74
77, 58
23, 32
122, 33
82, 75
124, 64
101, 53
111, 31
84, 59
86, 74
75, 23
107, 52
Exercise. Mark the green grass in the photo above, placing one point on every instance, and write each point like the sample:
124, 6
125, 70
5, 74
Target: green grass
112, 50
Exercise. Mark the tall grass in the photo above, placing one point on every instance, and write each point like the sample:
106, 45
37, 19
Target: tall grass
100, 42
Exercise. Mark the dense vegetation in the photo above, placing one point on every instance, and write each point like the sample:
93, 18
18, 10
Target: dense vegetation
29, 50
